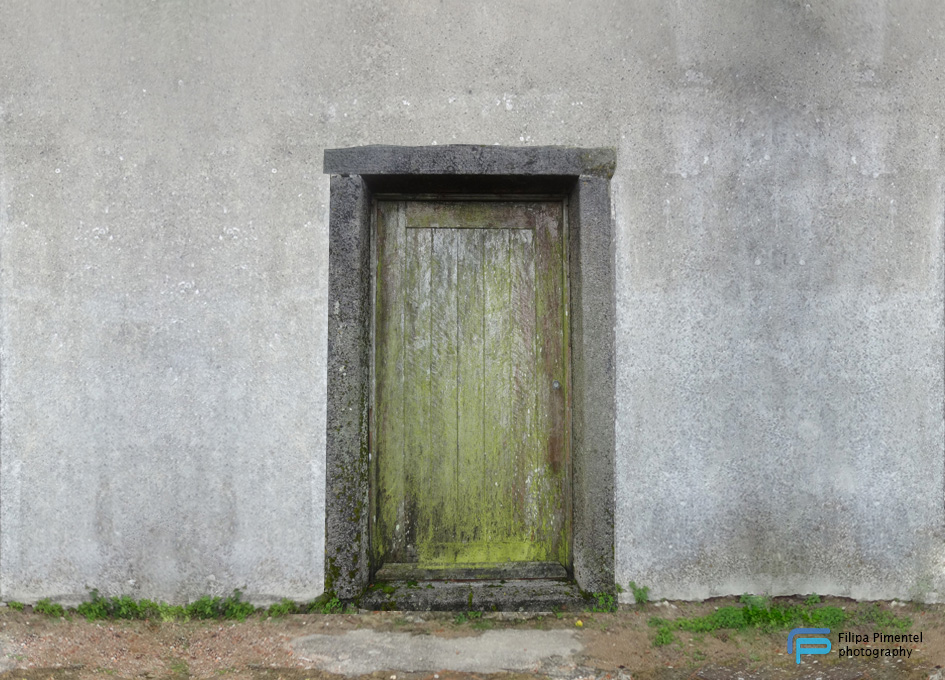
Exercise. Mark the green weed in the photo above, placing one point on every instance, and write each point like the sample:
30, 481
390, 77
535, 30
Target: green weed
125, 607
282, 608
641, 594
463, 617
757, 611
663, 637
179, 667
883, 619
326, 603
603, 602
16, 606
49, 608
755, 601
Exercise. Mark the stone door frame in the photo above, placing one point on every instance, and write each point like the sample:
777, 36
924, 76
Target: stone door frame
582, 178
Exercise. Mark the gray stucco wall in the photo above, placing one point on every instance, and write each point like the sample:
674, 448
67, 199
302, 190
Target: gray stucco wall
779, 201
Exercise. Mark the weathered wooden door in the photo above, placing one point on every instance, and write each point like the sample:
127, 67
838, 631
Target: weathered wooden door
472, 466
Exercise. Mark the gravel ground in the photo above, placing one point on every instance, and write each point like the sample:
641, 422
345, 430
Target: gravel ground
616, 646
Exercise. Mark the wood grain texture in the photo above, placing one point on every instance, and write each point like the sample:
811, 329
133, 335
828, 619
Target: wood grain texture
389, 377
474, 214
473, 462
555, 466
418, 437
498, 485
473, 471
437, 520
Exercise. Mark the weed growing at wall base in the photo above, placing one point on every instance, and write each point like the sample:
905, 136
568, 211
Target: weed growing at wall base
759, 612
125, 607
46, 606
641, 594
282, 608
601, 602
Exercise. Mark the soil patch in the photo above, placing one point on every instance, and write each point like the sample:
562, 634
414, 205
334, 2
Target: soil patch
617, 645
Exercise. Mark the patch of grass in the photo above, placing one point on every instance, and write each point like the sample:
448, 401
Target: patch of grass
482, 624
170, 612
96, 608
231, 607
602, 602
204, 608
235, 608
755, 601
179, 667
326, 603
16, 606
881, 618
641, 594
663, 637
825, 617
49, 608
125, 607
463, 617
758, 612
282, 608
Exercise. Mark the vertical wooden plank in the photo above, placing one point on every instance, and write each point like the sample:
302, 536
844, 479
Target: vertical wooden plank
524, 464
471, 471
549, 364
498, 490
389, 371
438, 527
418, 447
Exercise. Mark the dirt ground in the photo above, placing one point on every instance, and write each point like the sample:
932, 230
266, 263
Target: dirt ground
618, 645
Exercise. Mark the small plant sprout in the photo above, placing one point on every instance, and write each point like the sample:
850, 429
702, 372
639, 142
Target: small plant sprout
641, 594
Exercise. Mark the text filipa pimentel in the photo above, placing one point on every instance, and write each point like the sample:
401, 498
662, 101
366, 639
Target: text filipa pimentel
860, 639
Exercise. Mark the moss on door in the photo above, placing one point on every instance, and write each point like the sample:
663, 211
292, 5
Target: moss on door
472, 464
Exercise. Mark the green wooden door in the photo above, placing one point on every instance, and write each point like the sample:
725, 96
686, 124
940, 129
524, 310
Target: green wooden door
472, 465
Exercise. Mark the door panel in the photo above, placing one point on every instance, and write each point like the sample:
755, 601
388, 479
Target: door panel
472, 465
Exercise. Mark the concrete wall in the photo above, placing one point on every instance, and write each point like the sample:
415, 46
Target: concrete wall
779, 201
